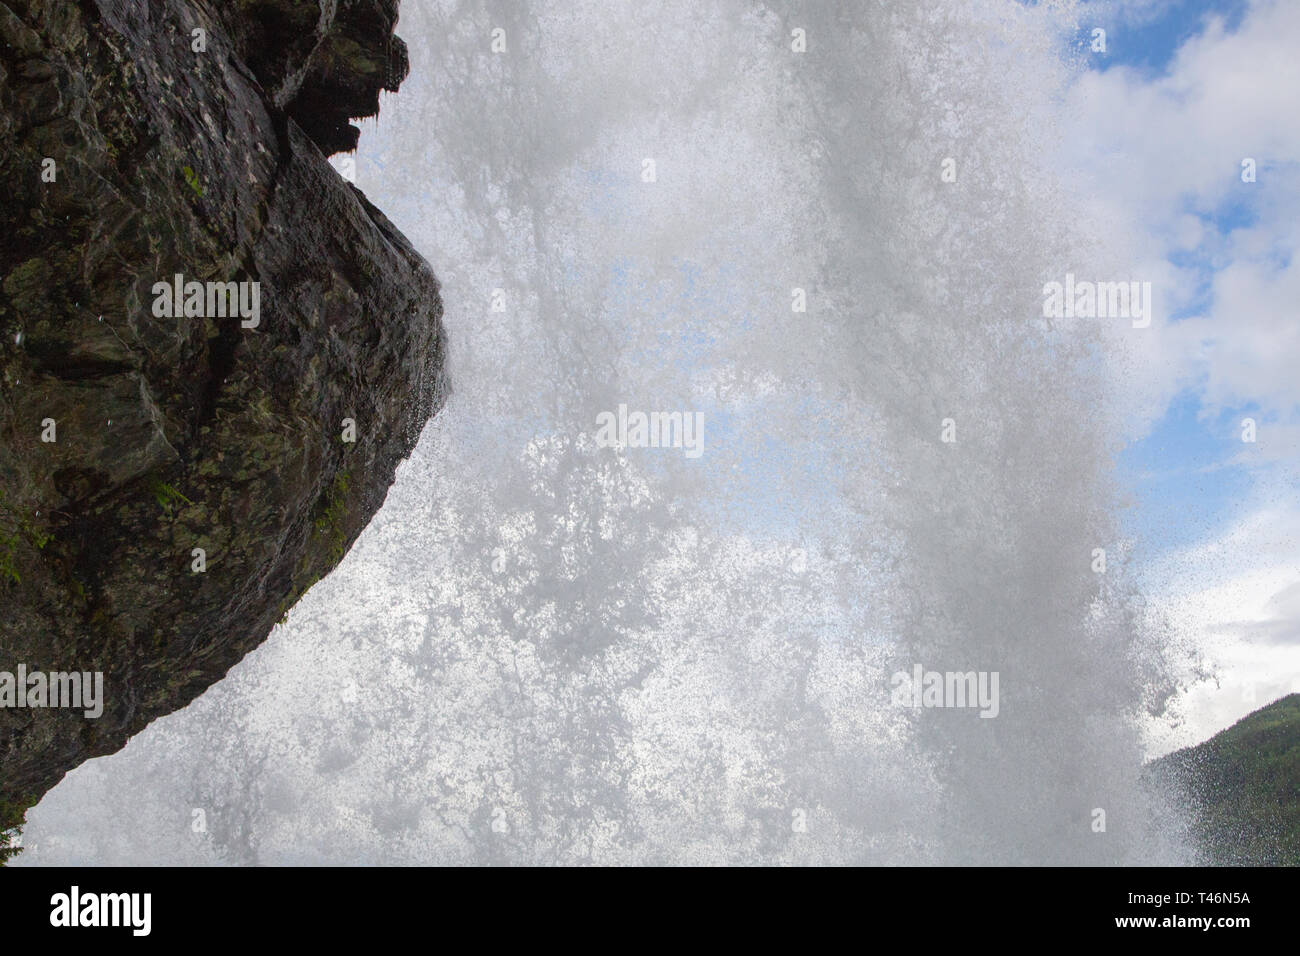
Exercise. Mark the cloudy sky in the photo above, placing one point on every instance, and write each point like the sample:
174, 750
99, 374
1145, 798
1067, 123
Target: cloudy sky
1161, 124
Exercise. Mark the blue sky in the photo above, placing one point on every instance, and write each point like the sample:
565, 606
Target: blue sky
1150, 39
1185, 487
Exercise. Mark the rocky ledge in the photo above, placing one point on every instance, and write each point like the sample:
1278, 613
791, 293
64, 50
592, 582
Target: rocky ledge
213, 350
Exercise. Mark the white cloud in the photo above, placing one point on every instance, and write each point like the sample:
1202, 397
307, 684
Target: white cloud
1159, 155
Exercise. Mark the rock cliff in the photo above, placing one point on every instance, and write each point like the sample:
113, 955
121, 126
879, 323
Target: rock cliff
175, 471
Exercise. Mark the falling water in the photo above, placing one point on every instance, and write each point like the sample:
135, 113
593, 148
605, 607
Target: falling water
548, 651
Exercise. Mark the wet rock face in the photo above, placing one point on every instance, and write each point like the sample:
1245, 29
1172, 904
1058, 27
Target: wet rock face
321, 61
176, 470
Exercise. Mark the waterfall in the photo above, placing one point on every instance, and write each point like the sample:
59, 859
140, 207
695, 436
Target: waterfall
824, 230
